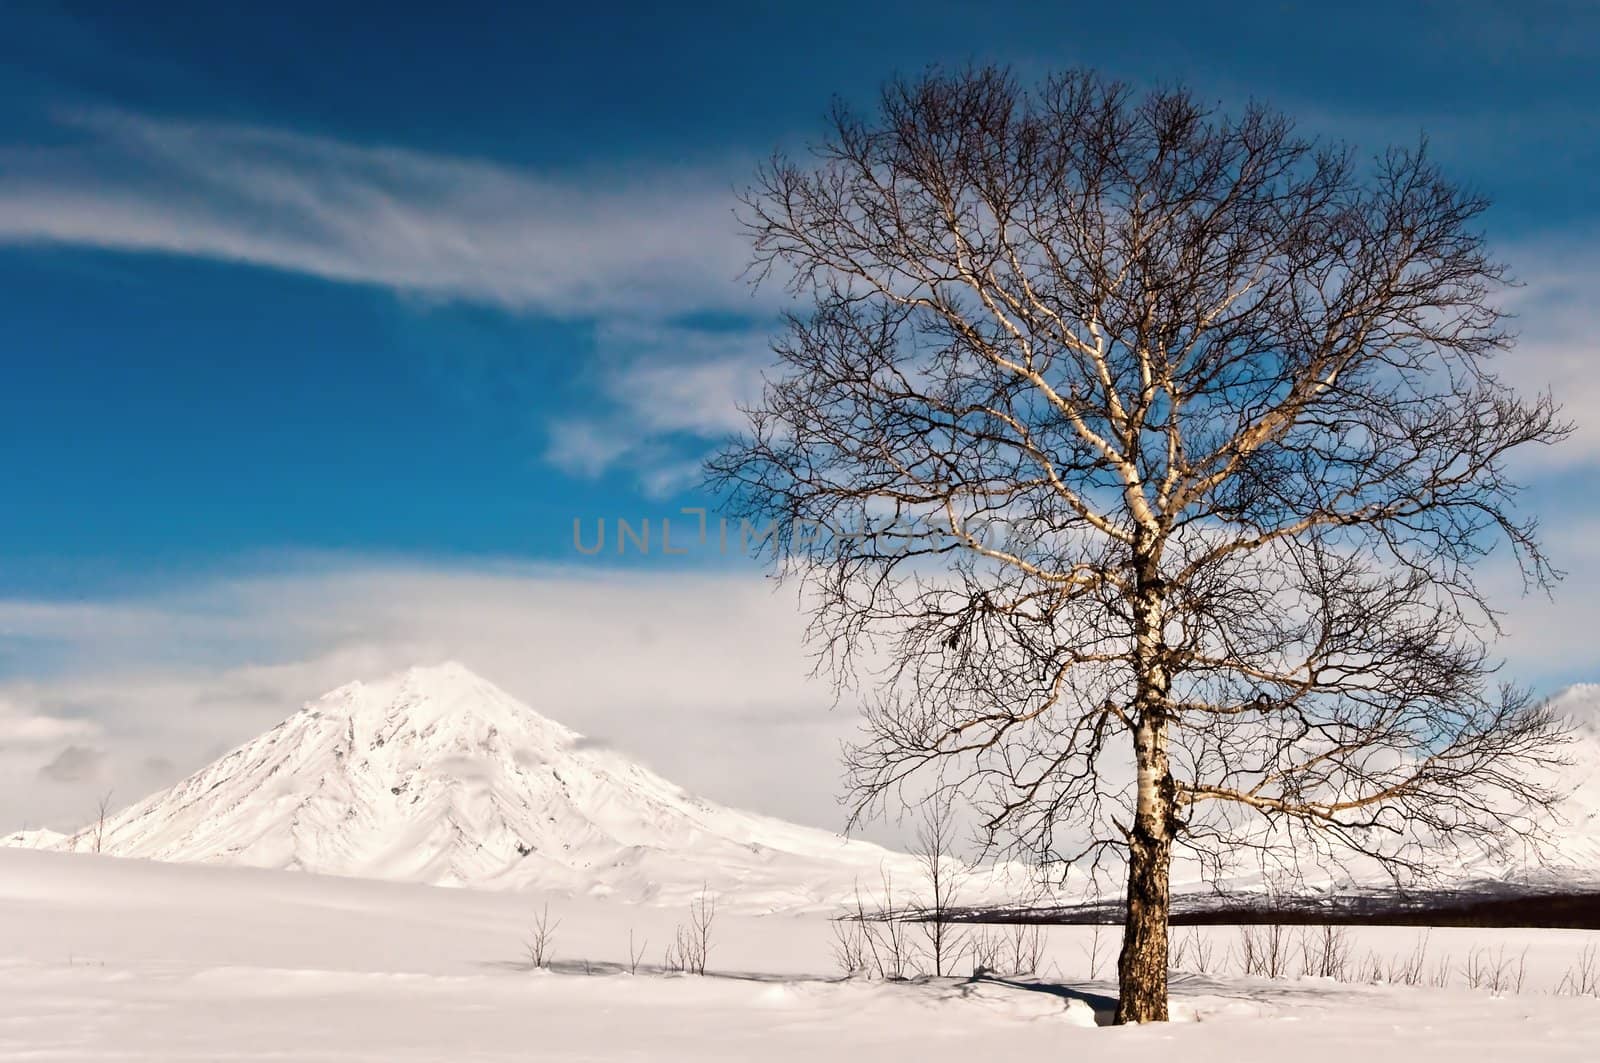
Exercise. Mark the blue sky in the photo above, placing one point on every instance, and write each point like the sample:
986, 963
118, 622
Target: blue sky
315, 294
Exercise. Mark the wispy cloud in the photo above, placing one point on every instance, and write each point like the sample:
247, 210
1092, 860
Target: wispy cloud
568, 244
663, 393
628, 250
1557, 315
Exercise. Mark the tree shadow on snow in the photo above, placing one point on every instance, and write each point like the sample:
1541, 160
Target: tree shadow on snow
1103, 1006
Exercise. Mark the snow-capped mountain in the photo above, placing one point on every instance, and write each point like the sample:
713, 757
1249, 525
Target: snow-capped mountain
1576, 849
436, 775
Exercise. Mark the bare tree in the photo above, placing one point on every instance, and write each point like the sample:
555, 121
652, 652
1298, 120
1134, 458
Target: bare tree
1141, 457
541, 938
635, 955
1027, 942
100, 820
852, 949
874, 939
690, 949
943, 874
887, 933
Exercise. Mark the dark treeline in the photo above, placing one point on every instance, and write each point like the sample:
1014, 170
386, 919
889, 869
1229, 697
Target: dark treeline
1491, 906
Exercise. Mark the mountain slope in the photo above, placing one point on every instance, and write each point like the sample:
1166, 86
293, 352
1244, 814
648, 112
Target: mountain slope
438, 776
1576, 849
34, 839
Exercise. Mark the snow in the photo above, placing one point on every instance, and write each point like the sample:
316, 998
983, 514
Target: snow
34, 839
117, 959
437, 776
244, 914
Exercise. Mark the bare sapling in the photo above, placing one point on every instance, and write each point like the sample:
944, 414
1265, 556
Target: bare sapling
1583, 977
893, 947
690, 949
874, 940
702, 916
943, 875
1093, 952
1410, 969
542, 938
1371, 970
635, 955
100, 821
1325, 951
1264, 950
850, 948
1194, 952
1027, 943
984, 947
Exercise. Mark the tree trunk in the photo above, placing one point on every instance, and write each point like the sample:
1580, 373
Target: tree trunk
1142, 965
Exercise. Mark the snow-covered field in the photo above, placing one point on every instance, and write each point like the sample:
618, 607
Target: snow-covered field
443, 815
111, 959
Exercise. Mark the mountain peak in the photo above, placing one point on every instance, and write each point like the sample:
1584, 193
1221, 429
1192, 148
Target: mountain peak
1579, 706
435, 774
435, 696
444, 673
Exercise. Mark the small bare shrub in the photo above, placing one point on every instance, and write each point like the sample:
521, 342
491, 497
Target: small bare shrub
1264, 950
1026, 948
1440, 979
542, 937
1475, 971
1582, 978
635, 955
983, 947
893, 952
702, 915
1093, 950
850, 948
1249, 952
1371, 969
691, 945
1325, 952
1409, 969
1497, 972
1202, 951
1504, 975
1192, 951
